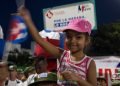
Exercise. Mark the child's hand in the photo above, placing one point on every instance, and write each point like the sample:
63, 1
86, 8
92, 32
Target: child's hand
69, 75
22, 11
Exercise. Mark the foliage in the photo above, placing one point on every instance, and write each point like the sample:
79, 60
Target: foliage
106, 40
21, 59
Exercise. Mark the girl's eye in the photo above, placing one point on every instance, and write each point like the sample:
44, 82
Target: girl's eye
78, 37
68, 36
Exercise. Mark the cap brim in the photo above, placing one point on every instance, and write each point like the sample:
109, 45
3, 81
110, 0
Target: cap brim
67, 28
73, 28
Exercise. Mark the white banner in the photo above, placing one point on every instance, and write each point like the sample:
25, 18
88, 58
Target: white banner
58, 17
108, 69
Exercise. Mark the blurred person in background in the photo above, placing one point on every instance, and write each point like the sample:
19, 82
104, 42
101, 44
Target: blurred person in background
12, 80
3, 72
27, 72
101, 81
45, 79
40, 67
20, 74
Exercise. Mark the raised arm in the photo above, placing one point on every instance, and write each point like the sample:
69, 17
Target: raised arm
33, 30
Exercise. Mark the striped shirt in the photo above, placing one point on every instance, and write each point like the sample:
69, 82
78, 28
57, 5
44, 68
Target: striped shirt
78, 67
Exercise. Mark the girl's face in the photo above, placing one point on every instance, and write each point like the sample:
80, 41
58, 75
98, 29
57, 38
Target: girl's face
76, 41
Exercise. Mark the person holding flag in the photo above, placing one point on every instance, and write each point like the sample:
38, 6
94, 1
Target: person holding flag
74, 65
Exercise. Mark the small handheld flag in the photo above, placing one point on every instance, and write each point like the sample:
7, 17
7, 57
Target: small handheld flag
18, 30
55, 38
1, 33
2, 42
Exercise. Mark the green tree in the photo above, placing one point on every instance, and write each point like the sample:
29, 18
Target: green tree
106, 40
21, 59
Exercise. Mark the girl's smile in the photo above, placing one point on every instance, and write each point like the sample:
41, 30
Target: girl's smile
75, 41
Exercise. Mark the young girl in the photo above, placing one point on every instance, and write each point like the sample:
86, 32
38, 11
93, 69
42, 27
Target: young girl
74, 64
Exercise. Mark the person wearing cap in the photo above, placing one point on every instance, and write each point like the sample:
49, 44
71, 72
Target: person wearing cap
20, 74
40, 67
3, 72
29, 71
29, 74
74, 64
45, 79
12, 80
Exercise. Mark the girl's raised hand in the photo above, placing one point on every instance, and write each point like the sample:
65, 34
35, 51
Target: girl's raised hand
22, 11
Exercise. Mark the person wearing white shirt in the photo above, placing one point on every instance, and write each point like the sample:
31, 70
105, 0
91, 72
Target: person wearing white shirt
40, 67
13, 81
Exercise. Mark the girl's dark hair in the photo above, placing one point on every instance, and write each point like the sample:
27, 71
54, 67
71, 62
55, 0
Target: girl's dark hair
87, 47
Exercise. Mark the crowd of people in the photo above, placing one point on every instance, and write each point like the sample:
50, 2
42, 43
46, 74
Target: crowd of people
11, 75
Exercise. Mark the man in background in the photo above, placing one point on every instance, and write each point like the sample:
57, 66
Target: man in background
13, 80
40, 67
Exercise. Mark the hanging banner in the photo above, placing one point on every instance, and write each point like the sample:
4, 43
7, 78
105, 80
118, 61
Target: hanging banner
108, 70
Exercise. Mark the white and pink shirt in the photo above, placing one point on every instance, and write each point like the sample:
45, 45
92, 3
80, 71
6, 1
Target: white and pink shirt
78, 67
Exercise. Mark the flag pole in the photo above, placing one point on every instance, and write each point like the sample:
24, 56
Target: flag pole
20, 3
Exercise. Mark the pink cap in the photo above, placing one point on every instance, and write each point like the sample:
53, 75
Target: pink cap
79, 25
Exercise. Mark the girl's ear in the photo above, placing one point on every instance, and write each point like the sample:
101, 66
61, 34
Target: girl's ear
87, 44
88, 41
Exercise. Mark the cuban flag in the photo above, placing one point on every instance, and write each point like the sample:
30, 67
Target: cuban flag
18, 31
2, 42
1, 33
56, 38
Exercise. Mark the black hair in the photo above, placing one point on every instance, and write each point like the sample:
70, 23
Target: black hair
40, 59
103, 79
87, 47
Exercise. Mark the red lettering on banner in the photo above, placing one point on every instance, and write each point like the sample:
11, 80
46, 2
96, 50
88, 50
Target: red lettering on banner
108, 74
108, 71
100, 72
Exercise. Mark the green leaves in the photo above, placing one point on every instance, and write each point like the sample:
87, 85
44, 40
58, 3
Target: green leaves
21, 59
106, 41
